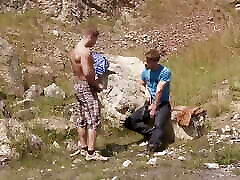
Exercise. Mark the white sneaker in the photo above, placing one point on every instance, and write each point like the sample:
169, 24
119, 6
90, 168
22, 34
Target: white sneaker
83, 152
96, 156
75, 153
79, 151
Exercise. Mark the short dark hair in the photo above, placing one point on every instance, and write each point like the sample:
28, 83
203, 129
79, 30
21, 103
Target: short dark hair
153, 54
91, 32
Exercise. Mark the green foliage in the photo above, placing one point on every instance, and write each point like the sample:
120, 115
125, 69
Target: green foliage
51, 135
66, 85
232, 37
198, 69
49, 106
21, 145
24, 21
230, 154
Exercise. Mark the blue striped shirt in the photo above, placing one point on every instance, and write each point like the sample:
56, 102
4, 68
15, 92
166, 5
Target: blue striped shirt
101, 63
152, 78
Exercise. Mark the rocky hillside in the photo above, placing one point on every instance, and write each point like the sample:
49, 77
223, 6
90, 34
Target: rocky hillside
73, 11
201, 20
37, 97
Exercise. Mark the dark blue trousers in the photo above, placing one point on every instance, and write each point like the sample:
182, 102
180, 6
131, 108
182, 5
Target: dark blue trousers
139, 122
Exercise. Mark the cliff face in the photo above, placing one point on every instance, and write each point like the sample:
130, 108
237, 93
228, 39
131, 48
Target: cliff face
10, 69
70, 10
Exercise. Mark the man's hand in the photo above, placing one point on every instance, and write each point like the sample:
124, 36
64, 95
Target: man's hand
152, 108
99, 87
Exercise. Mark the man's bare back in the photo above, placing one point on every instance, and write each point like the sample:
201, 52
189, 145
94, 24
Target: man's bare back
82, 64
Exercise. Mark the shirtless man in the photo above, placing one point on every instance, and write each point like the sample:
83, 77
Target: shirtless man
86, 88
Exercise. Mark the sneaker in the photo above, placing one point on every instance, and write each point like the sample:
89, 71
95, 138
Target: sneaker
83, 152
96, 156
79, 151
75, 153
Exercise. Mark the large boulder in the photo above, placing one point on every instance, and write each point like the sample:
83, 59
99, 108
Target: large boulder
123, 93
5, 149
15, 139
10, 70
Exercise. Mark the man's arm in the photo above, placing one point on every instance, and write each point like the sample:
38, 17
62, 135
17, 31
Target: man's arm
145, 90
144, 87
74, 63
88, 70
163, 82
153, 107
161, 85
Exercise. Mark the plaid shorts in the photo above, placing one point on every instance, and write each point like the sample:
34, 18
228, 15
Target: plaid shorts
87, 112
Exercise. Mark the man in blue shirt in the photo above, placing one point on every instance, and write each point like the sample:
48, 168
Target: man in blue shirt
156, 79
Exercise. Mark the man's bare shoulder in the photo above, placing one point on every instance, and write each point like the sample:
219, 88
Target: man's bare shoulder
73, 54
81, 52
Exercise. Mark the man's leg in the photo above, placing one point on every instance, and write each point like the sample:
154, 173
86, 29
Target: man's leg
82, 136
93, 123
92, 136
82, 133
162, 116
92, 154
136, 122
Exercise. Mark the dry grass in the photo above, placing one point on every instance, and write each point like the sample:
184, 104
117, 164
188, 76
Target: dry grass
22, 30
229, 155
198, 69
216, 109
236, 172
